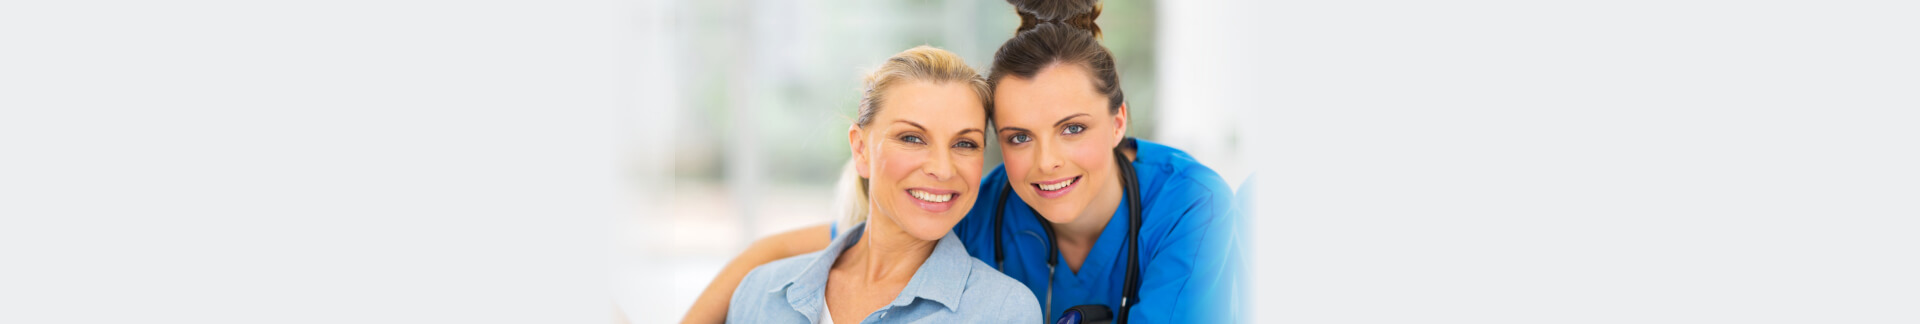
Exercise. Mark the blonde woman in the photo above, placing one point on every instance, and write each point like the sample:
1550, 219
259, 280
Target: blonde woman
918, 143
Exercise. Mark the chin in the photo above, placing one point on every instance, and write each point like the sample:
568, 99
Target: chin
1059, 215
928, 232
1059, 210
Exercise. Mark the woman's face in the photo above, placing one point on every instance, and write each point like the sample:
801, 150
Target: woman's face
1058, 138
922, 155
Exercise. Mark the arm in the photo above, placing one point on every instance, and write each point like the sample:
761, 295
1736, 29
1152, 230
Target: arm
711, 307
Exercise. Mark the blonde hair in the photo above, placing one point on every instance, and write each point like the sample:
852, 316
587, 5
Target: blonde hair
921, 63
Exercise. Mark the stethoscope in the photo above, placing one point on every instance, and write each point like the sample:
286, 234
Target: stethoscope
1130, 290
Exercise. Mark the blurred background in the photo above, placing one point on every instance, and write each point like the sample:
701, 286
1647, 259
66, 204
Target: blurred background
737, 129
414, 161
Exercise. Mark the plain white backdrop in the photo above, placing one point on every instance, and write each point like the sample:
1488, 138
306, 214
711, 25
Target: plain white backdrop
1588, 162
306, 162
1477, 161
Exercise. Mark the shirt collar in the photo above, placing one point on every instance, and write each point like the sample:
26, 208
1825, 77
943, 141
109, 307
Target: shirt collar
943, 277
940, 279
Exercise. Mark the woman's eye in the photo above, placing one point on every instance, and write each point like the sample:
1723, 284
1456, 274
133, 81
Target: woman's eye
912, 139
1017, 139
1075, 129
966, 144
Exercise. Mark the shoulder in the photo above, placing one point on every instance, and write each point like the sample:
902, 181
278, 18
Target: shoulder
783, 269
768, 276
983, 278
1168, 174
1187, 206
999, 298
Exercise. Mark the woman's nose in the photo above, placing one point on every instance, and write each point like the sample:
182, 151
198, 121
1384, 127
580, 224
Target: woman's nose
940, 166
1049, 156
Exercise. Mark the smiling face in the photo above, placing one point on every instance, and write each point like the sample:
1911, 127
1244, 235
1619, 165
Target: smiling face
922, 155
1057, 136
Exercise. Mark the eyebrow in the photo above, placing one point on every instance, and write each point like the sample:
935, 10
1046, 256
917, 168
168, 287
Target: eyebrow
1055, 124
924, 128
1064, 120
915, 125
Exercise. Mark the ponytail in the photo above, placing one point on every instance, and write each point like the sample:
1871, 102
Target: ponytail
1078, 14
850, 197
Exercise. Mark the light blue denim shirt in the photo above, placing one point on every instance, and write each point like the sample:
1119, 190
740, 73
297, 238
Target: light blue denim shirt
950, 287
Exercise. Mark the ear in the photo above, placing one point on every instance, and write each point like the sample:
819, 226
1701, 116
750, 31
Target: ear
857, 141
1120, 124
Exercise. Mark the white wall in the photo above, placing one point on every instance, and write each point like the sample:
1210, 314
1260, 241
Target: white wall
1204, 74
306, 162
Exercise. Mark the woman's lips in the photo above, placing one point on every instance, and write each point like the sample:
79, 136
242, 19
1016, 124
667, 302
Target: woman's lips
1055, 188
932, 200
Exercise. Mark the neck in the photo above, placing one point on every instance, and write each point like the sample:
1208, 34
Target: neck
1086, 228
885, 253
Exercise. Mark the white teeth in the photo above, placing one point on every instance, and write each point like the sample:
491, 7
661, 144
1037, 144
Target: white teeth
930, 197
1057, 186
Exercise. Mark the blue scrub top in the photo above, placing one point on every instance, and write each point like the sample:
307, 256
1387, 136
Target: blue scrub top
1188, 256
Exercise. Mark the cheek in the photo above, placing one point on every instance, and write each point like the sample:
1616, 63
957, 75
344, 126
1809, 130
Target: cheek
1091, 156
897, 165
971, 168
1016, 163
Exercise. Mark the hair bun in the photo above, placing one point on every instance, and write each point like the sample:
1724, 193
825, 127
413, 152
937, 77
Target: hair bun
1077, 13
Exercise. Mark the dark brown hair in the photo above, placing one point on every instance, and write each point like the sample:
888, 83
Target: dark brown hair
1058, 32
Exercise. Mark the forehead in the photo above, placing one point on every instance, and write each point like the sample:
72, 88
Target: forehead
950, 105
1056, 91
